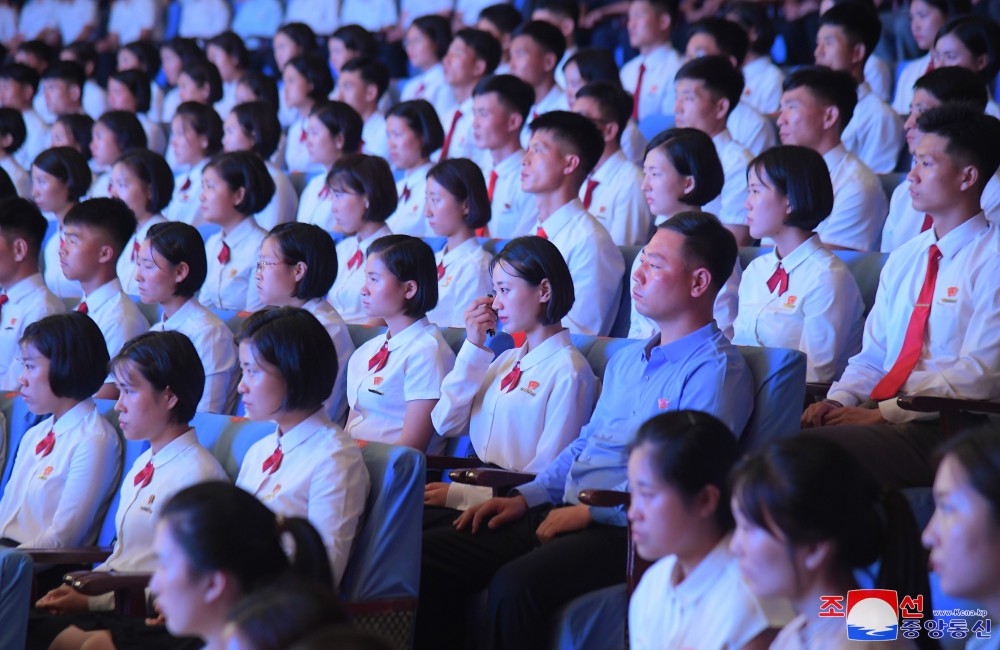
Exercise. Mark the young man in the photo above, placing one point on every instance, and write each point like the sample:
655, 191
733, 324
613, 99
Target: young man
362, 83
935, 326
472, 55
62, 87
25, 298
94, 98
500, 21
816, 105
95, 233
847, 36
708, 89
538, 549
613, 191
762, 91
501, 105
18, 85
535, 51
564, 15
564, 149
650, 75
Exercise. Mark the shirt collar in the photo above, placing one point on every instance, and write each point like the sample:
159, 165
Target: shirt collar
801, 253
317, 306
303, 431
510, 163
102, 295
463, 250
761, 62
545, 349
953, 242
407, 335
704, 576
661, 49
721, 139
363, 244
174, 448
73, 416
242, 230
681, 348
417, 175
140, 232
835, 156
863, 90
561, 217
25, 287
610, 168
184, 312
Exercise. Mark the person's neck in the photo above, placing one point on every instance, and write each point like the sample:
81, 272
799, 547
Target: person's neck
172, 304
231, 222
610, 149
161, 439
549, 202
305, 108
398, 323
427, 66
417, 165
62, 212
716, 129
750, 58
827, 143
506, 150
98, 280
858, 72
367, 111
644, 50
540, 333
367, 229
62, 406
288, 420
458, 238
680, 323
788, 239
142, 218
4, 156
961, 211
21, 272
704, 538
292, 301
542, 90
462, 92
808, 600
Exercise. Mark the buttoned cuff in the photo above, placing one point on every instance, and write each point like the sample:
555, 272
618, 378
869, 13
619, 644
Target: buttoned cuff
535, 494
893, 414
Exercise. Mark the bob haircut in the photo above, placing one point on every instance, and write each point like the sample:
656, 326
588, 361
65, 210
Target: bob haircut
126, 128
411, 260
76, 350
21, 219
152, 169
82, 129
459, 178
106, 215
358, 40
233, 47
12, 124
204, 73
165, 360
534, 259
314, 247
298, 346
245, 169
706, 243
954, 84
421, 118
978, 453
689, 451
259, 121
137, 83
340, 119
205, 122
438, 29
69, 166
692, 153
301, 34
752, 15
147, 54
316, 72
178, 243
263, 87
596, 64
370, 176
801, 175
980, 37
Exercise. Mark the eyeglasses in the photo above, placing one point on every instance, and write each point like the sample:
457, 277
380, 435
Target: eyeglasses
263, 264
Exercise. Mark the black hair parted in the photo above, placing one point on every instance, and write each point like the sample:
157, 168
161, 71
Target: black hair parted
534, 259
180, 243
801, 175
76, 350
312, 246
245, 169
168, 361
410, 259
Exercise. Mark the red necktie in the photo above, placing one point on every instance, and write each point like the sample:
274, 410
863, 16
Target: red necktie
4, 299
451, 132
588, 195
109, 188
492, 185
534, 115
135, 250
509, 382
82, 307
224, 254
377, 362
778, 279
404, 196
928, 222
187, 184
273, 462
145, 476
302, 136
325, 192
638, 91
930, 65
913, 342
44, 448
420, 90
541, 233
440, 269
355, 260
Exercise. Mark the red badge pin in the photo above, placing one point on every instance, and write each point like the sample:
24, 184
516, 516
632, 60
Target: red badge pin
952, 292
663, 403
532, 385
378, 381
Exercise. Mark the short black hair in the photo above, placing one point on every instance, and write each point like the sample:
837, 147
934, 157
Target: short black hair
693, 154
706, 243
298, 346
244, 169
76, 350
955, 84
370, 176
126, 128
340, 119
259, 122
753, 15
152, 169
615, 103
438, 29
83, 52
596, 64
830, 87
81, 126
860, 24
314, 247
165, 360
950, 7
516, 95
21, 74
577, 133
504, 16
186, 49
7, 188
371, 71
205, 122
108, 215
12, 124
301, 34
38, 49
980, 36
486, 47
21, 219
718, 76
357, 39
263, 87
204, 73
668, 7
410, 259
534, 259
731, 39
137, 83
422, 119
69, 166
70, 72
179, 242
546, 35
234, 47
562, 8
147, 54
316, 72
972, 136
463, 179
801, 175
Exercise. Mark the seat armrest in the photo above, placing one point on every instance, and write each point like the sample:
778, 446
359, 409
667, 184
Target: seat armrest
929, 404
81, 555
605, 498
816, 391
95, 583
452, 462
491, 478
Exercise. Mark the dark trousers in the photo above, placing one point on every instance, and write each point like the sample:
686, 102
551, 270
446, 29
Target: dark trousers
528, 582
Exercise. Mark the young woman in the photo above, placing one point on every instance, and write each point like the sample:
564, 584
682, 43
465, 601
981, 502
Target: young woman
678, 472
799, 540
230, 56
682, 172
128, 90
67, 464
142, 179
307, 81
426, 43
394, 381
457, 204
333, 131
195, 136
59, 179
200, 82
144, 57
115, 133
308, 467
973, 43
254, 127
297, 267
235, 187
415, 133
800, 295
175, 55
927, 17
172, 269
362, 196
160, 381
257, 87
75, 131
522, 430
292, 40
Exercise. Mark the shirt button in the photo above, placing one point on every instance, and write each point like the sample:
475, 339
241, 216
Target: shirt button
645, 378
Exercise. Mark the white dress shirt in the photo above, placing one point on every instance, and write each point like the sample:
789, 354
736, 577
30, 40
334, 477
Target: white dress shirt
816, 633
595, 263
751, 129
216, 348
18, 176
514, 212
657, 95
322, 477
466, 277
130, 17
295, 151
185, 204
409, 217
36, 138
114, 312
156, 139
101, 187
762, 90
95, 99
373, 15
430, 85
554, 100
284, 203
880, 76
233, 285
345, 295
37, 15
225, 105
904, 88
374, 138
315, 203
875, 132
859, 205
634, 143
321, 15
524, 429
55, 501
128, 265
262, 18
730, 205
418, 361
27, 301
336, 404
820, 313
961, 352
618, 202
462, 143
168, 107
55, 279
203, 19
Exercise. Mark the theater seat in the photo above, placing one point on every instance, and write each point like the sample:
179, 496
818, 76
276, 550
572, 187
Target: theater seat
16, 577
229, 438
150, 312
652, 125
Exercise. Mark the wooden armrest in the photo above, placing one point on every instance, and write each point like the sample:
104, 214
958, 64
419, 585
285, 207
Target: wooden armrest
95, 583
491, 478
817, 390
452, 462
82, 555
605, 498
929, 404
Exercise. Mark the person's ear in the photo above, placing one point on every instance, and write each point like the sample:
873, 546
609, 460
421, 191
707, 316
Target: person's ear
706, 502
20, 248
181, 272
515, 122
371, 93
858, 53
549, 62
689, 185
106, 254
701, 282
170, 397
970, 177
816, 554
410, 288
479, 68
721, 108
239, 195
299, 271
544, 291
338, 141
571, 164
831, 116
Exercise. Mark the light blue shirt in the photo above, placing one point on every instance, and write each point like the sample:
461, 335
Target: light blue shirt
702, 371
